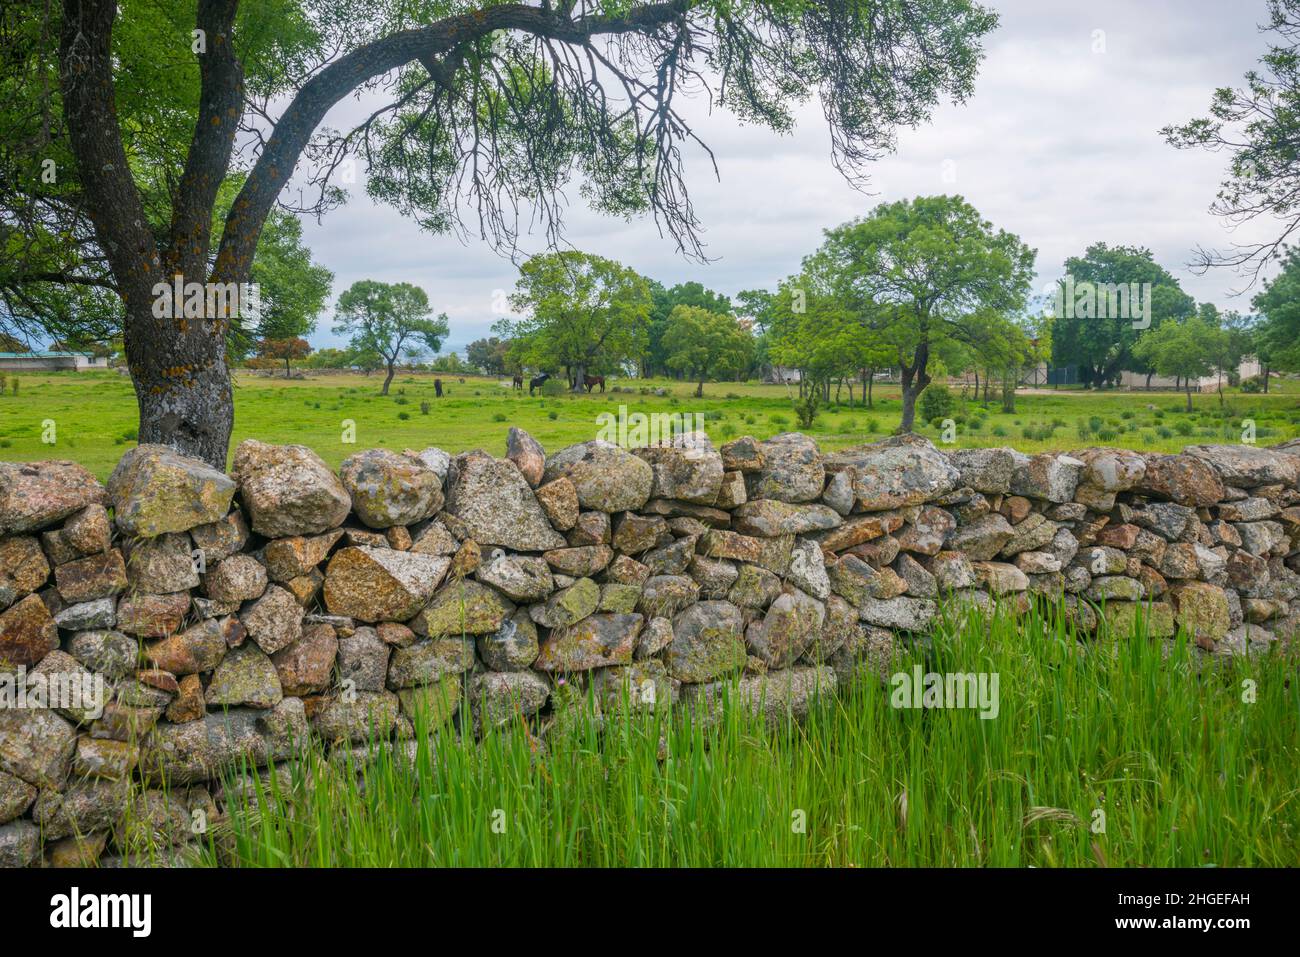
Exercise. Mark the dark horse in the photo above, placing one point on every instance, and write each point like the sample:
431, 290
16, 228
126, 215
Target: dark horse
591, 381
538, 382
518, 382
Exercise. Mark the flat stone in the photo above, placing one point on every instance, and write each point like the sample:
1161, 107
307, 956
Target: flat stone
306, 666
1248, 466
707, 642
605, 477
23, 568
791, 469
463, 607
27, 633
497, 505
1184, 479
597, 641
274, 621
381, 584
770, 518
36, 495
155, 490
245, 677
95, 576
898, 471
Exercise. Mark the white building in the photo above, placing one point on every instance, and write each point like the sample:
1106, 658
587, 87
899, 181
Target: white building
45, 361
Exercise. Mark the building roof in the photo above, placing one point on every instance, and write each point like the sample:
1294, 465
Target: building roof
45, 354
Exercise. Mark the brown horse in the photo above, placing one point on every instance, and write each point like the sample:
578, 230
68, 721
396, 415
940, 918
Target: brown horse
591, 381
518, 382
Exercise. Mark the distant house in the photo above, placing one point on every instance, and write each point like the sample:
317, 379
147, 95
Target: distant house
45, 361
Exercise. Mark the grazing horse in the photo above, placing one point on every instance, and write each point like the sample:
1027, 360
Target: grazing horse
591, 381
518, 383
538, 382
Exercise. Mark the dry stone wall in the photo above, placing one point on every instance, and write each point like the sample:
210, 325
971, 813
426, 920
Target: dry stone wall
226, 618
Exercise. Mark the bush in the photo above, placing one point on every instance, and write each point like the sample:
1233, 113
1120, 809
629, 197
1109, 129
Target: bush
552, 415
424, 407
1252, 385
553, 387
498, 416
403, 416
1183, 428
805, 410
936, 402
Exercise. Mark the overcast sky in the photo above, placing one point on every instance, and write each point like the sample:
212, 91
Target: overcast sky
1059, 144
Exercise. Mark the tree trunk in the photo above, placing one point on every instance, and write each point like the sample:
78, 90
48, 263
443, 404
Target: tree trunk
388, 379
579, 374
1189, 394
1149, 375
871, 382
182, 384
286, 369
977, 384
1264, 373
915, 380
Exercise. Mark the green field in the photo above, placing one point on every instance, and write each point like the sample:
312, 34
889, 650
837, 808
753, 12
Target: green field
1108, 753
94, 415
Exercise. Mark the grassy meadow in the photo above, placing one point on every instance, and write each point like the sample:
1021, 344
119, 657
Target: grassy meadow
94, 415
1120, 752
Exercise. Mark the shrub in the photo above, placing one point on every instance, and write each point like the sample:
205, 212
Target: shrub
1253, 385
552, 415
936, 402
498, 417
1107, 435
1183, 428
424, 407
403, 416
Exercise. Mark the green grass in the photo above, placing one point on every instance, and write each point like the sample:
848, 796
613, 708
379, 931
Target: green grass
1186, 772
95, 416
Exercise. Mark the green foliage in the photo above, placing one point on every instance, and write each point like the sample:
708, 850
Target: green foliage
391, 321
705, 345
936, 402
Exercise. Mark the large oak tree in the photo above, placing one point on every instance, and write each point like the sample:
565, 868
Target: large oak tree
482, 110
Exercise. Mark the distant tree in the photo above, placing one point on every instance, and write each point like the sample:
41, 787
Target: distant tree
489, 355
1097, 335
664, 301
328, 358
923, 270
1185, 350
705, 345
585, 314
390, 320
1278, 335
284, 350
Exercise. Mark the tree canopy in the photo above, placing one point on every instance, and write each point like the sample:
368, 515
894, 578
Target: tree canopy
391, 320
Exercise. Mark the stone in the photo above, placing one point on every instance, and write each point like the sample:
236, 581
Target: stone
36, 746
161, 564
772, 553
110, 653
999, 578
707, 642
755, 587
288, 490
20, 844
920, 583
426, 662
1262, 538
360, 718
1033, 533
634, 534
656, 635
23, 568
582, 562
1110, 470
431, 706
777, 698
983, 539
771, 518
688, 468
665, 595
714, 576
236, 579
985, 470
156, 490
744, 454
27, 633
672, 559
512, 647
592, 528
430, 538
1248, 466
222, 538
927, 533
1128, 619
527, 454
807, 569
499, 698
791, 469
1037, 563
899, 471
793, 621
16, 796
1108, 588
1202, 609
463, 607
1184, 479
95, 576
619, 599
381, 584
245, 677
197, 649
605, 477
289, 558
521, 578
1119, 536
86, 532
559, 500
627, 570
152, 616
274, 621
1016, 508
1168, 520
732, 492
363, 660
36, 495
839, 493
306, 666
904, 614
597, 641
497, 506
435, 459
1047, 477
